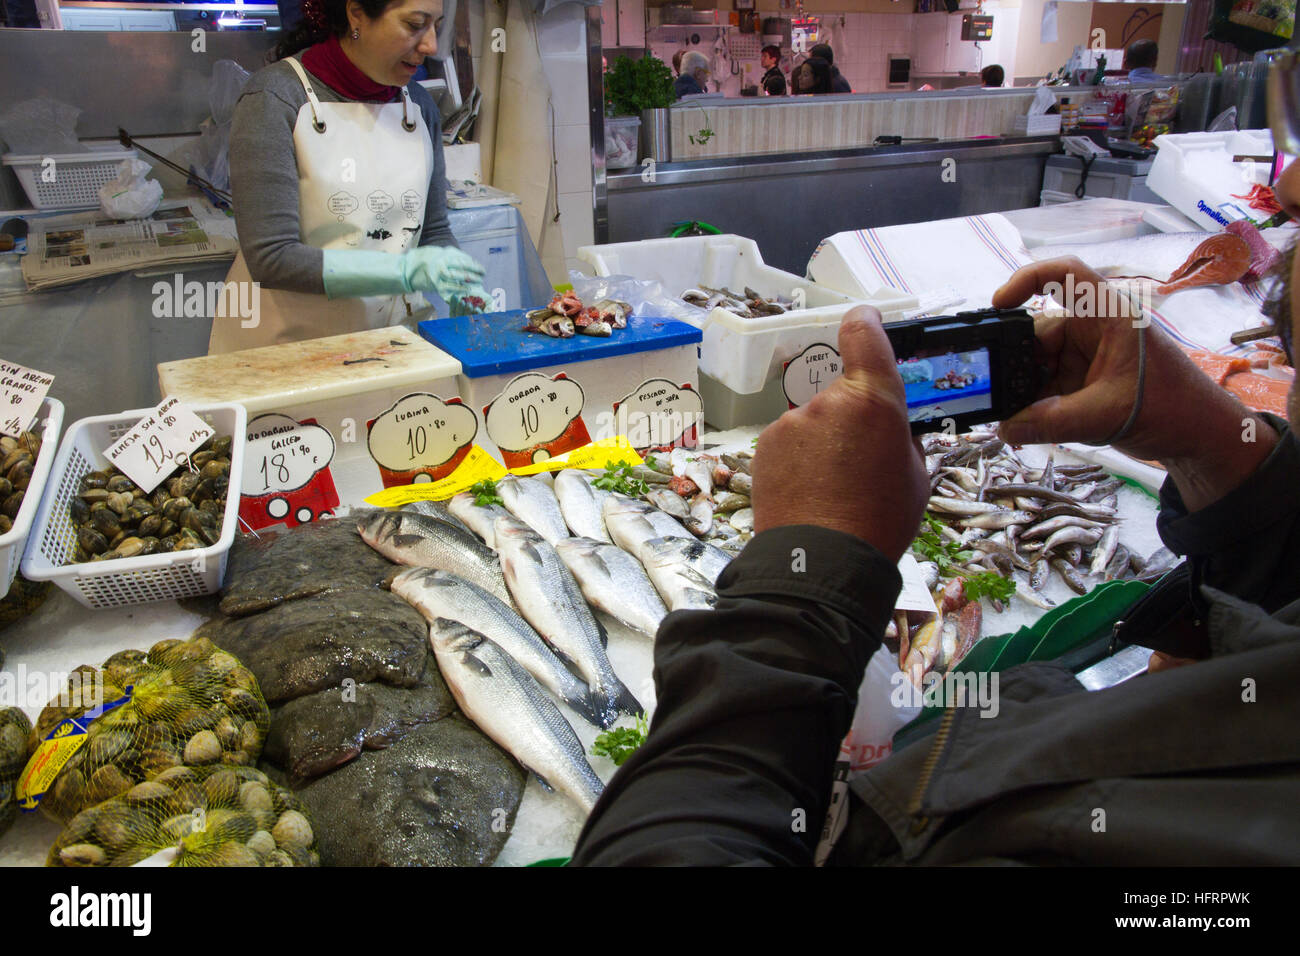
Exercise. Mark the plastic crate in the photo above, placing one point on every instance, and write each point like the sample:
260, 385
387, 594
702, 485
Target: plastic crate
1195, 173
13, 542
77, 176
125, 581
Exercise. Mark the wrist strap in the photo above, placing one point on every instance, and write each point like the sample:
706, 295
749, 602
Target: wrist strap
1141, 388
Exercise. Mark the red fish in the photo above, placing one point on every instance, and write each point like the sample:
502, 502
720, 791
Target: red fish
1217, 261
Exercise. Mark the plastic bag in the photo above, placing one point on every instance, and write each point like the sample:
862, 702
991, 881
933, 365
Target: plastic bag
879, 715
130, 195
14, 731
646, 296
210, 156
185, 703
215, 816
41, 127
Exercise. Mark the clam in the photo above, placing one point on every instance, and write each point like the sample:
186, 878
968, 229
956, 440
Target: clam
292, 830
83, 854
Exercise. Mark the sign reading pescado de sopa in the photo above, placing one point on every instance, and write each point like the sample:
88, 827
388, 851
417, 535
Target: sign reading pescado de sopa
159, 443
22, 390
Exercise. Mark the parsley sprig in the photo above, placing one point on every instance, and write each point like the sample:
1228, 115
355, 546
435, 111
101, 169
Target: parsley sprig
931, 545
485, 493
621, 742
618, 477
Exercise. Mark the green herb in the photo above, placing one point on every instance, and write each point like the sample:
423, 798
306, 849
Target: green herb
931, 545
649, 461
635, 85
621, 742
485, 493
705, 133
988, 584
618, 477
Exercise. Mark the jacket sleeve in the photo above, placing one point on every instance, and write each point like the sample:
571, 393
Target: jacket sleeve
264, 180
754, 699
437, 226
1248, 542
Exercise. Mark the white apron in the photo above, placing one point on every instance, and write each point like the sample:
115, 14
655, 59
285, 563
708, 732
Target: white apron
363, 179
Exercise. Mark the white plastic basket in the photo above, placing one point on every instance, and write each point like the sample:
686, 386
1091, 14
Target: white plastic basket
76, 176
140, 580
12, 543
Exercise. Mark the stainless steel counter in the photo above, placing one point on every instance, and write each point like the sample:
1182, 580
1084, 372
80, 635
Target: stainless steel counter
788, 203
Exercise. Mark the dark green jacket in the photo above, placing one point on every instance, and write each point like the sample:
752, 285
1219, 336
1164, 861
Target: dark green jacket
1195, 765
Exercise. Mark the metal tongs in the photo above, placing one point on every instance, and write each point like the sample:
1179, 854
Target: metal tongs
219, 196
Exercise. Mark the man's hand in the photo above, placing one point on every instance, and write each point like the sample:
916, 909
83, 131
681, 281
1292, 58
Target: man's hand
1187, 422
846, 460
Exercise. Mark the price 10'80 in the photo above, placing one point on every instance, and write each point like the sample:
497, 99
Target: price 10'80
417, 437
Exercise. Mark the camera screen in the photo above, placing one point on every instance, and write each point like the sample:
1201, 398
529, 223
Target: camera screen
940, 383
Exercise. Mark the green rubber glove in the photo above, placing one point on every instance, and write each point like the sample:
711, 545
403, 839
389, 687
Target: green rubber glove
350, 273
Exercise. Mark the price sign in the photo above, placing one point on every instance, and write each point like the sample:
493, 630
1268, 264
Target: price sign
21, 392
809, 372
283, 455
657, 413
159, 443
532, 411
420, 432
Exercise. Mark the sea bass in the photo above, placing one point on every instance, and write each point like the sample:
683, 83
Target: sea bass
534, 503
420, 541
684, 571
551, 601
438, 594
478, 518
509, 706
580, 503
631, 523
614, 581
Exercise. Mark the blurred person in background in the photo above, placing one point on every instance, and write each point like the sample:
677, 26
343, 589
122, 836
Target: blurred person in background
992, 77
1140, 61
677, 61
812, 76
693, 77
838, 83
773, 79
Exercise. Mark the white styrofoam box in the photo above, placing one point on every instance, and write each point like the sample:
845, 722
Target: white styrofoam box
125, 581
13, 541
1195, 173
464, 161
1083, 220
342, 383
726, 261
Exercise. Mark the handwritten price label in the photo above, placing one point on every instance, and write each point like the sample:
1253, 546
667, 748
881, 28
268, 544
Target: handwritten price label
809, 372
283, 454
532, 410
159, 443
657, 413
420, 431
21, 392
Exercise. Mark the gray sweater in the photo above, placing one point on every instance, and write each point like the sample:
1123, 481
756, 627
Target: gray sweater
264, 179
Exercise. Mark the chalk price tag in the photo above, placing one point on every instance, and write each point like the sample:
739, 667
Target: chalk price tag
159, 443
21, 392
810, 372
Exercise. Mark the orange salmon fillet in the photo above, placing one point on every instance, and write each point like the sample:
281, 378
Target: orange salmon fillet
1259, 392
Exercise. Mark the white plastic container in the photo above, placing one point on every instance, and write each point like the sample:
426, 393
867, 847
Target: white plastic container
622, 141
1195, 173
342, 383
13, 541
125, 581
76, 176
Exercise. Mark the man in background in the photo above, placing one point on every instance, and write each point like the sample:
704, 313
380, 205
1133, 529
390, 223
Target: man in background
693, 77
773, 79
1140, 61
838, 83
992, 77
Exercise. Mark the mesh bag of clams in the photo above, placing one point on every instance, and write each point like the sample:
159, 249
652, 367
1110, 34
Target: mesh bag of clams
116, 518
190, 704
192, 816
17, 461
14, 731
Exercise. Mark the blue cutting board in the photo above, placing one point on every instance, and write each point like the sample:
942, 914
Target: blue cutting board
495, 343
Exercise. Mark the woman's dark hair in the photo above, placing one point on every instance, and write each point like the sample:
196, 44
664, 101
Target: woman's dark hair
773, 51
320, 19
821, 76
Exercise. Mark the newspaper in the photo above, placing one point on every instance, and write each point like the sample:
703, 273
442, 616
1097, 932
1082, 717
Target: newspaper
66, 249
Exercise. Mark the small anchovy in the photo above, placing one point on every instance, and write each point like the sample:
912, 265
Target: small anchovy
1032, 491
1072, 535
1096, 512
1074, 554
1030, 597
1105, 489
1045, 529
1001, 550
1118, 566
967, 508
1039, 574
997, 519
1160, 562
1069, 576
1105, 550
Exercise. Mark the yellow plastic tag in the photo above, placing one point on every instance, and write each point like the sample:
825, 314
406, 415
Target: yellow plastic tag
477, 466
54, 752
595, 455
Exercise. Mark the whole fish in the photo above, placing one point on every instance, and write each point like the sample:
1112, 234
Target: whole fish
438, 594
631, 523
728, 501
1072, 535
742, 520
508, 705
700, 521
1045, 529
997, 519
659, 463
697, 467
1071, 577
1105, 550
614, 581
580, 503
672, 563
1095, 512
534, 503
1157, 565
651, 476
436, 509
738, 462
741, 483
551, 601
1118, 566
670, 501
420, 541
478, 518
923, 650
963, 507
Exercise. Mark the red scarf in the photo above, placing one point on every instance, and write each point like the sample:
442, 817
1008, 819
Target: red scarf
331, 66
